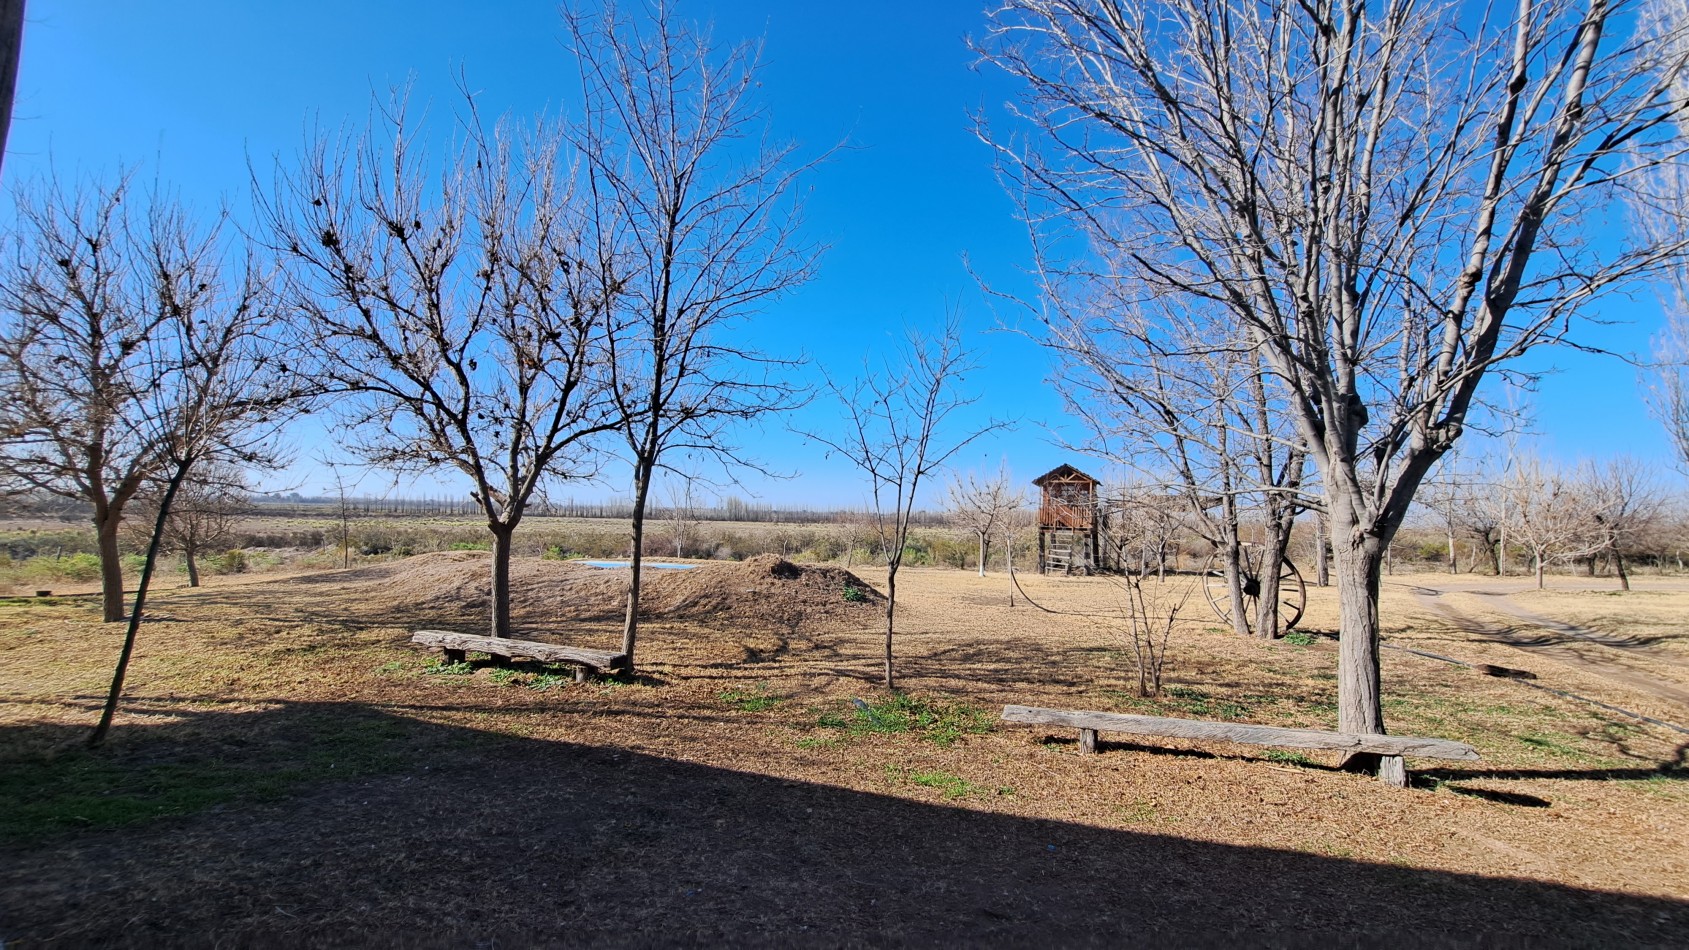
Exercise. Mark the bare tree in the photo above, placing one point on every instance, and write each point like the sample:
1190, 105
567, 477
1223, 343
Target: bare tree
1150, 623
223, 401
693, 221
1387, 197
136, 347
98, 289
204, 514
462, 327
1661, 211
901, 427
683, 514
982, 505
1146, 522
1159, 382
1477, 512
1549, 514
1625, 503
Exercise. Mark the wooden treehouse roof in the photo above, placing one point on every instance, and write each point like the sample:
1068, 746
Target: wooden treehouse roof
1064, 473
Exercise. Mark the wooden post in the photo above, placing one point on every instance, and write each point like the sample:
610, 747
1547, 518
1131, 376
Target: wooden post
1088, 741
1392, 771
580, 673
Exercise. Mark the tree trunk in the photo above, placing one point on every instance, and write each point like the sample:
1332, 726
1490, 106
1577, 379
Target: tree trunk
502, 537
1235, 567
1009, 562
1322, 566
111, 566
891, 609
982, 554
641, 489
190, 553
1267, 620
1539, 570
1618, 566
1360, 562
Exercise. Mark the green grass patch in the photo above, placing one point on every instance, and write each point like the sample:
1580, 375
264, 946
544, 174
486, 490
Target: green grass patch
42, 795
745, 700
938, 721
951, 785
1298, 638
545, 681
1286, 756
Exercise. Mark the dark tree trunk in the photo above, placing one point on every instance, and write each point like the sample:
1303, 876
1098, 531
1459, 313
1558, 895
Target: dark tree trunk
500, 600
11, 52
891, 610
106, 521
190, 553
641, 490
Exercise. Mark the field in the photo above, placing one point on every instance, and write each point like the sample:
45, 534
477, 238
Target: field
289, 771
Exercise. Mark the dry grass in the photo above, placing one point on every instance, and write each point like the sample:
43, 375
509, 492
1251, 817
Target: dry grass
268, 721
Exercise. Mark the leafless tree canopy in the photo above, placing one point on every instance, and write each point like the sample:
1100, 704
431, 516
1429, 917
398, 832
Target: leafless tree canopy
1388, 198
1661, 209
901, 427
132, 341
693, 220
984, 505
208, 506
457, 311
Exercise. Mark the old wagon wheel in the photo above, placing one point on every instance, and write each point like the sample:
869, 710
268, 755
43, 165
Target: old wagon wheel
1292, 592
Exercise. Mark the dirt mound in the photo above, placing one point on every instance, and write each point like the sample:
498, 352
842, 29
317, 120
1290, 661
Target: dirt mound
763, 593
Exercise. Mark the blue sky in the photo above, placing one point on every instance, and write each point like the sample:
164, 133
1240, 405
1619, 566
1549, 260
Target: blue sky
195, 89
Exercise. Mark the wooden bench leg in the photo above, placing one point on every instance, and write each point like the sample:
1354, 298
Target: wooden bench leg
453, 656
1392, 770
580, 673
1087, 741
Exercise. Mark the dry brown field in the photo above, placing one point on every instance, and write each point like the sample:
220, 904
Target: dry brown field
288, 770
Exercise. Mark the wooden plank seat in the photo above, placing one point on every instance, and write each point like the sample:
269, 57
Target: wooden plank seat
456, 645
1390, 748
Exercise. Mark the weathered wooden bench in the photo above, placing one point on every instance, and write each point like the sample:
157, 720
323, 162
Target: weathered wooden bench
456, 645
1391, 749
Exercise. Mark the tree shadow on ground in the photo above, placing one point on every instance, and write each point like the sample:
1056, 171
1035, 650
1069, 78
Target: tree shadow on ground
341, 824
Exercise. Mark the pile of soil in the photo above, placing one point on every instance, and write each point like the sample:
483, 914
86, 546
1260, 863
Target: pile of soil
763, 593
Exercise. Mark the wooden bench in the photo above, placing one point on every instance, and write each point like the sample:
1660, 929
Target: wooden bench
1391, 748
456, 645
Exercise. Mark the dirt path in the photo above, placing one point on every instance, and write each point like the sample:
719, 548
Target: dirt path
1602, 654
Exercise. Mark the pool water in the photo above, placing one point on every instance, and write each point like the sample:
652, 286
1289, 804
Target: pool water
663, 567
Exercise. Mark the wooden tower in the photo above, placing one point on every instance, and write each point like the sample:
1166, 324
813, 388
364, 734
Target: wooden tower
1069, 521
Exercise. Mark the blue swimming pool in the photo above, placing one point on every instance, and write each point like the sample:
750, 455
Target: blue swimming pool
664, 567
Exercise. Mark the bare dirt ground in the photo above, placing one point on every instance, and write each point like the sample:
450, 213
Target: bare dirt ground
288, 771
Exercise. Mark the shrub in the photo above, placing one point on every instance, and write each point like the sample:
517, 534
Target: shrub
71, 567
232, 561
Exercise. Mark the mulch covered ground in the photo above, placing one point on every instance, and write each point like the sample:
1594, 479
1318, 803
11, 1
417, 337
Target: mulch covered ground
351, 793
